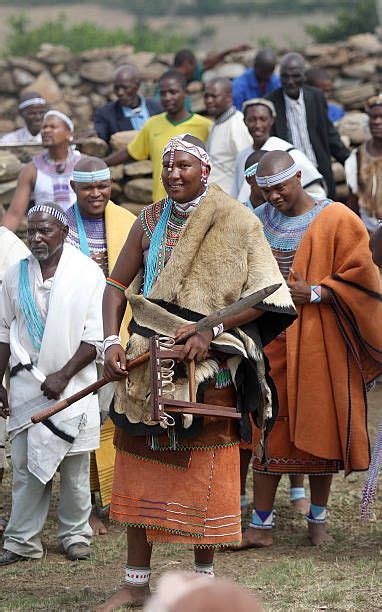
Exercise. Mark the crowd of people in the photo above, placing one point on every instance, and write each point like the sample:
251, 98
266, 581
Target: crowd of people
243, 199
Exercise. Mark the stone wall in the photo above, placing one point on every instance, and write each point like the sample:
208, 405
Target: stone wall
77, 84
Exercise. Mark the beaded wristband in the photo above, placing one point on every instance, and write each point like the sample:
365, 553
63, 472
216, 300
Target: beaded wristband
110, 341
218, 330
315, 294
116, 284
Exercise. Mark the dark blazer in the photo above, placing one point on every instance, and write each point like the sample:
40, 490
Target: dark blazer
323, 135
109, 119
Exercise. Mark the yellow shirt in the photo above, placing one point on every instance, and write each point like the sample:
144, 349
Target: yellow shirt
154, 136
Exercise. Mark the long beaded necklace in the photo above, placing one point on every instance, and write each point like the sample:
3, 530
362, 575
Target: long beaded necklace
163, 240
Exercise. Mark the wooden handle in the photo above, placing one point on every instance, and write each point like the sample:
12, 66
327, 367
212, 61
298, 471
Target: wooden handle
191, 381
62, 404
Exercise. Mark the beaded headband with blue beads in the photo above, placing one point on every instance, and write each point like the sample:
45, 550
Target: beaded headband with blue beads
58, 214
251, 170
279, 177
91, 177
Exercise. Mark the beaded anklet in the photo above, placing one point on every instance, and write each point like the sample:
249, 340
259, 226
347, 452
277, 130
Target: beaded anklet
137, 576
262, 519
317, 514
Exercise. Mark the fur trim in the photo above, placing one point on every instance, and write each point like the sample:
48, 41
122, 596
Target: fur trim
221, 256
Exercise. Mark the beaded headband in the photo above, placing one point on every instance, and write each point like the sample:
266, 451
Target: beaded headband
279, 177
32, 102
251, 170
178, 144
91, 177
62, 116
58, 214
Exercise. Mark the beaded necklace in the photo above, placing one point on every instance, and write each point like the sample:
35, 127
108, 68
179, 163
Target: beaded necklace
28, 307
164, 225
285, 233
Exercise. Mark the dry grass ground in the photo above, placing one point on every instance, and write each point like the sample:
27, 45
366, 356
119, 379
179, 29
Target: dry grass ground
345, 575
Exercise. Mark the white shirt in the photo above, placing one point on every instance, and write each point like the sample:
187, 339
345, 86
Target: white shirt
225, 140
309, 173
42, 294
21, 136
297, 125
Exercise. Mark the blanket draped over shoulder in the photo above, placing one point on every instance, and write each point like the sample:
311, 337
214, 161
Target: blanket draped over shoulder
334, 350
221, 256
118, 223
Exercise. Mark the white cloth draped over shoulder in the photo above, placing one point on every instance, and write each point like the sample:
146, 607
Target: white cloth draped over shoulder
12, 249
310, 176
70, 303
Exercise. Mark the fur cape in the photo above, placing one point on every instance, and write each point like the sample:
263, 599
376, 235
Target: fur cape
221, 256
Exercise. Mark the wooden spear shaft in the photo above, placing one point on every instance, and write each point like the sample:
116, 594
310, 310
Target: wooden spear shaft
61, 405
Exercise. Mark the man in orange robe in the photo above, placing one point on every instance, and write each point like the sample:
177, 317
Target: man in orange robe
322, 363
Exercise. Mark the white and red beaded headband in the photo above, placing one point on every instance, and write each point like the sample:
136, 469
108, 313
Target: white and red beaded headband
279, 177
177, 143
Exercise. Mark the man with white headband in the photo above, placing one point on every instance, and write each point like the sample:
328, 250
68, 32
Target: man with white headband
259, 118
321, 365
191, 253
99, 229
51, 328
32, 108
47, 177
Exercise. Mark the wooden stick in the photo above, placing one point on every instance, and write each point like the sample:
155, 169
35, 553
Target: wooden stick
61, 405
192, 381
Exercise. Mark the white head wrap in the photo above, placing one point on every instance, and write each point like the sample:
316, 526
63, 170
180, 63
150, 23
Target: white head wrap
32, 102
62, 116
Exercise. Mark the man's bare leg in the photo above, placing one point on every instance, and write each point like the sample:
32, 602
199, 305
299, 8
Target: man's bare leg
319, 495
297, 494
138, 556
245, 459
204, 561
265, 487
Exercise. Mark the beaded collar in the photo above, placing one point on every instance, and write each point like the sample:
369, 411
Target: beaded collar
285, 233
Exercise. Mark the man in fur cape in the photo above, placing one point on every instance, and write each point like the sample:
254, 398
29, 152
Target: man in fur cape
194, 252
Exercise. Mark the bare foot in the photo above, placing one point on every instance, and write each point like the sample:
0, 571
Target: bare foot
253, 538
301, 505
133, 596
98, 527
317, 534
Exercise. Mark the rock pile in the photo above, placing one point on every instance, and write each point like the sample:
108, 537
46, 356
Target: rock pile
78, 84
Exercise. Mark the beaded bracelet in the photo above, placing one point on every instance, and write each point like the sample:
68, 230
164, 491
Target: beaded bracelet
217, 330
116, 284
111, 341
315, 294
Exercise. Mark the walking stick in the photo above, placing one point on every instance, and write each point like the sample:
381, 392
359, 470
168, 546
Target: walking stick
68, 401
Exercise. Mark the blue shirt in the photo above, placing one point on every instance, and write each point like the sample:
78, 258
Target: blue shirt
335, 112
246, 86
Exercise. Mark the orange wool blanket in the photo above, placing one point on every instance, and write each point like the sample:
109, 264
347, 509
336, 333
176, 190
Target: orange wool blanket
332, 350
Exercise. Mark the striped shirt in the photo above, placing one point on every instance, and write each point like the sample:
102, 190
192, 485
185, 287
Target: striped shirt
297, 126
